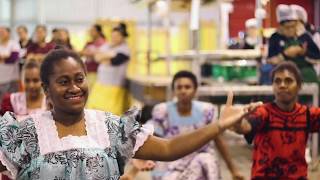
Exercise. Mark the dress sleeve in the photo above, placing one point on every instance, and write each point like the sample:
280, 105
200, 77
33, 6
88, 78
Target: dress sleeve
273, 46
119, 59
127, 135
10, 143
314, 119
257, 121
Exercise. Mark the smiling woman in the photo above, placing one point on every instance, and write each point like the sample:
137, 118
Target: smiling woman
64, 82
70, 142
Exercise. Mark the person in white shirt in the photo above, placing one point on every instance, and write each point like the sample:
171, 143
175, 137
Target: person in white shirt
9, 57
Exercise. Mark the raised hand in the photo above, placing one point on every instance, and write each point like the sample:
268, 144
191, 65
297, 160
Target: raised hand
230, 115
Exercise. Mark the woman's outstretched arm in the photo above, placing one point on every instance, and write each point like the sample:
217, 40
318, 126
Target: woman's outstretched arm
171, 149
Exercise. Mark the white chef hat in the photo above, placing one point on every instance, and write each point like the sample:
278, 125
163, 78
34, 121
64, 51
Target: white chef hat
285, 13
251, 23
300, 12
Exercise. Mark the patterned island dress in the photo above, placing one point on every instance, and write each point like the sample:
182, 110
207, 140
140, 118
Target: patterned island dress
200, 165
31, 149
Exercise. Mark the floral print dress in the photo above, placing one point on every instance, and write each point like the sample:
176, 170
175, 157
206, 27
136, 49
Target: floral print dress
200, 165
31, 149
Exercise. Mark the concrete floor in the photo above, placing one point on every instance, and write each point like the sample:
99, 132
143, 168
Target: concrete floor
241, 154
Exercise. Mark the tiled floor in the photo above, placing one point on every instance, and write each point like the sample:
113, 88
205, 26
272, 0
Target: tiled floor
241, 154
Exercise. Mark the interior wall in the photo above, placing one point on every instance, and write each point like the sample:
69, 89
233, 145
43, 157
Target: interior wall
242, 10
4, 12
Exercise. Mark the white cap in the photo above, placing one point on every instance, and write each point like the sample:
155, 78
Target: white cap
285, 13
300, 12
251, 23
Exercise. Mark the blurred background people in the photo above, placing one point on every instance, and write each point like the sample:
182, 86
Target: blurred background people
110, 91
64, 38
39, 47
9, 58
30, 101
287, 45
96, 42
24, 40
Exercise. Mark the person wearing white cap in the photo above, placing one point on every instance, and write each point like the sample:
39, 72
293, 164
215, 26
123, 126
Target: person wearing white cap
303, 26
249, 39
304, 29
302, 16
286, 45
251, 36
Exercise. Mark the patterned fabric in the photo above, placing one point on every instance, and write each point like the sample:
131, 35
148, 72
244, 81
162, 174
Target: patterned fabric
32, 150
202, 164
280, 140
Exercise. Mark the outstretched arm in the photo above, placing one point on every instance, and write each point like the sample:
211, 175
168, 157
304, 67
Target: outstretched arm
168, 150
171, 149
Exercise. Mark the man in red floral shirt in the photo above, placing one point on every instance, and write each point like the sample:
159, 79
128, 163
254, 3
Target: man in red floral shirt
279, 130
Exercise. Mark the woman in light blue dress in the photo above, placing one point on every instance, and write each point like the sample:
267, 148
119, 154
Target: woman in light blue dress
70, 142
182, 115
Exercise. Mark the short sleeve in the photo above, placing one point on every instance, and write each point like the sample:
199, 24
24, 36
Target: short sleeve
18, 143
257, 121
119, 59
274, 45
9, 143
127, 135
314, 119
